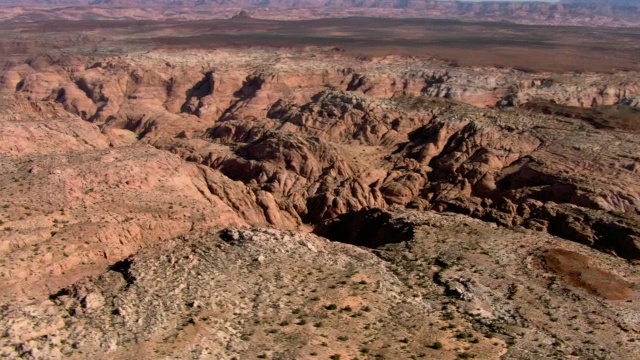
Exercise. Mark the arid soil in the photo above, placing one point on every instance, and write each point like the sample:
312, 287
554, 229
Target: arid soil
304, 202
530, 48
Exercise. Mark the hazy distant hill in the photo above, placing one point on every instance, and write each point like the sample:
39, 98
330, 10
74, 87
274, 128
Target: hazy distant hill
567, 12
398, 4
610, 2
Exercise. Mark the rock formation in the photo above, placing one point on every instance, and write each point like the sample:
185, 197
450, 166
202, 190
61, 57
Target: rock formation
159, 205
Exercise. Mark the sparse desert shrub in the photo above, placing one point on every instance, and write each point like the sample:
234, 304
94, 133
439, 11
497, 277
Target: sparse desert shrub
448, 316
463, 335
331, 307
436, 345
466, 355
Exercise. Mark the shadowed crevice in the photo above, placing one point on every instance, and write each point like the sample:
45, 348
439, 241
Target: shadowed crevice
124, 268
371, 228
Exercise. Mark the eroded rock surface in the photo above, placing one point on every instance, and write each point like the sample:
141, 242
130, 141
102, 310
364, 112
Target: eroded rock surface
118, 174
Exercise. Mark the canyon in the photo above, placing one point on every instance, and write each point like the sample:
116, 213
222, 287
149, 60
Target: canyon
164, 196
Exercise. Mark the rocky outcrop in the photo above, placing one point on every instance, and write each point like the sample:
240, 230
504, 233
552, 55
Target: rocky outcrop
348, 118
101, 90
88, 208
24, 138
505, 173
309, 178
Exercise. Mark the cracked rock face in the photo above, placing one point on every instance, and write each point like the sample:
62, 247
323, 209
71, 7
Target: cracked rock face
161, 205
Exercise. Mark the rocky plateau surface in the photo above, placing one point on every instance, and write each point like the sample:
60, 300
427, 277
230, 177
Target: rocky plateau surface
273, 204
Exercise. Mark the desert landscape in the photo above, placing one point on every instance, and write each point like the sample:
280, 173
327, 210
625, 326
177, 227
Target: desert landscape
319, 180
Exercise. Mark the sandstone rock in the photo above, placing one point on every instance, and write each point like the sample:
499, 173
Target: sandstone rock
118, 172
